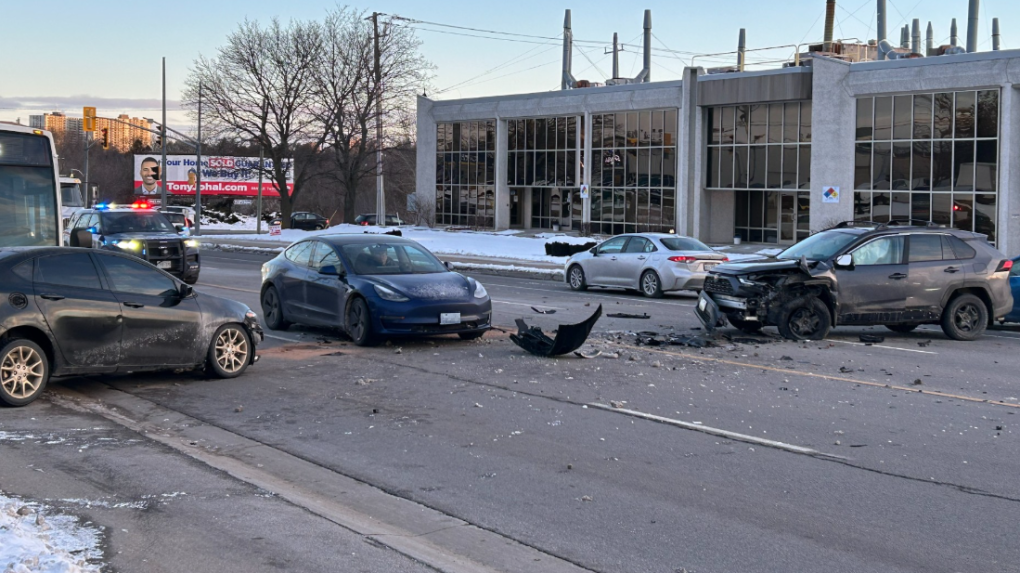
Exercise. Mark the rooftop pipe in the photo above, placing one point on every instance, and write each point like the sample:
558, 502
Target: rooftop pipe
905, 37
929, 42
995, 34
915, 36
567, 81
881, 20
830, 17
954, 36
972, 26
741, 50
645, 75
616, 56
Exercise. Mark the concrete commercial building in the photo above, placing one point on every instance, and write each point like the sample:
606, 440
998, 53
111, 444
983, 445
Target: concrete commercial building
767, 156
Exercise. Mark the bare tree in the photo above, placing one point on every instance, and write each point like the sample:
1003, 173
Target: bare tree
346, 94
258, 88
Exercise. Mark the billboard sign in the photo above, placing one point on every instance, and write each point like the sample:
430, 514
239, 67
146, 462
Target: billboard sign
238, 176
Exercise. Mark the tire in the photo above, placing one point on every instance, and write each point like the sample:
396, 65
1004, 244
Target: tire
24, 372
904, 328
318, 227
471, 335
576, 279
746, 326
272, 309
805, 318
965, 318
229, 352
359, 323
651, 285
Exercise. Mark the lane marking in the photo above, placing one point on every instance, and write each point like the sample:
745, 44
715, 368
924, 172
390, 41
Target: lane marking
527, 305
786, 372
229, 288
715, 431
281, 338
641, 301
879, 346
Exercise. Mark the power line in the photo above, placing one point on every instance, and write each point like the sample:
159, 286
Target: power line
515, 60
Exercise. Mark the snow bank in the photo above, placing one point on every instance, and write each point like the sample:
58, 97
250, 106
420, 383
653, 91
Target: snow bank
33, 540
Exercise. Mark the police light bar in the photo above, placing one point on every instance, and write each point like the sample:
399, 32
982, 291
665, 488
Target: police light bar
103, 206
141, 205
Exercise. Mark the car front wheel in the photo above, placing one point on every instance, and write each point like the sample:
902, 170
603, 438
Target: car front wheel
651, 286
229, 352
272, 309
359, 324
805, 318
576, 278
24, 371
965, 318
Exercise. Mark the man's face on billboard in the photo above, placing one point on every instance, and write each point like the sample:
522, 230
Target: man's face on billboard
150, 171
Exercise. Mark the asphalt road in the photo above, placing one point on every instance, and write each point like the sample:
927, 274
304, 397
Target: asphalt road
751, 455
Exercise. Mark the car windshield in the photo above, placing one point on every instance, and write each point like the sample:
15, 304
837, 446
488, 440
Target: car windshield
136, 222
820, 246
391, 259
175, 218
684, 244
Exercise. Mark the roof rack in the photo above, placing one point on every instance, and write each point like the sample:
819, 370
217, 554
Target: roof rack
912, 223
887, 224
857, 223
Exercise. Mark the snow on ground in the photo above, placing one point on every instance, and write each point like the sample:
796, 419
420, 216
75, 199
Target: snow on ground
32, 539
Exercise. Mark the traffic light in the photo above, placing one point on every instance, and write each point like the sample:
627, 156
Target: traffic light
106, 138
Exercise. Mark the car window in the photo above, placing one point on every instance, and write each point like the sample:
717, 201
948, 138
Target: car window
925, 248
881, 251
300, 253
639, 245
136, 222
135, 277
73, 269
962, 249
820, 246
24, 269
323, 256
684, 244
391, 259
1015, 271
612, 246
73, 221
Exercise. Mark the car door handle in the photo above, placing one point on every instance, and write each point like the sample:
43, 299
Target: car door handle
133, 304
897, 276
612, 258
951, 270
52, 296
641, 258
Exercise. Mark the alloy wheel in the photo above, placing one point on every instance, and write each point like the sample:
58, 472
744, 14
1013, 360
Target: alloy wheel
804, 322
356, 318
231, 350
576, 277
650, 284
271, 306
22, 372
967, 317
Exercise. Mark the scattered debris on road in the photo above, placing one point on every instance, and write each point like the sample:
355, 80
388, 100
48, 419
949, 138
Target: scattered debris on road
543, 311
872, 338
627, 315
569, 337
595, 354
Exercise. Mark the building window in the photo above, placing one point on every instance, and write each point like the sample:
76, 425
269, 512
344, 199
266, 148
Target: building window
634, 172
542, 155
466, 173
929, 157
763, 153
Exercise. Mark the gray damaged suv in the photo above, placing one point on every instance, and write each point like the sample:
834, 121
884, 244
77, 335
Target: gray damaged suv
865, 273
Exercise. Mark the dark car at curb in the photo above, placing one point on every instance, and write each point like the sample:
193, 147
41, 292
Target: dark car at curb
137, 230
67, 311
372, 287
864, 273
308, 221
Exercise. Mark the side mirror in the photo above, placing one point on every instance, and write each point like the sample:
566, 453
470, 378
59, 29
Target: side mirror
179, 227
185, 290
594, 251
93, 230
448, 265
81, 238
845, 261
330, 271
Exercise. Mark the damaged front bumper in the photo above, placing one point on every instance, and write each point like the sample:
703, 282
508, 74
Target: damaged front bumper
569, 337
251, 324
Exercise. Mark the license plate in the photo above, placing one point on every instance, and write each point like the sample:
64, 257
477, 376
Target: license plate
449, 318
165, 265
709, 265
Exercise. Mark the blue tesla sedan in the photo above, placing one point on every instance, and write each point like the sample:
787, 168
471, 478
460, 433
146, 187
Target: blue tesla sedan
373, 287
1014, 285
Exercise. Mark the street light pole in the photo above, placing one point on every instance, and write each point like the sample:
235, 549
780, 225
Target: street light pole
380, 195
162, 129
198, 168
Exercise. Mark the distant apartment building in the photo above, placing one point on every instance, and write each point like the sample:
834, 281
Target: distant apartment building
121, 136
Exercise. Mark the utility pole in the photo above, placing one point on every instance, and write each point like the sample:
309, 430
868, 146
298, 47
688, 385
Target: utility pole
258, 203
380, 196
162, 130
198, 168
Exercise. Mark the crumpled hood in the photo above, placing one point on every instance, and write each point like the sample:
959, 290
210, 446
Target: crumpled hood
428, 286
738, 268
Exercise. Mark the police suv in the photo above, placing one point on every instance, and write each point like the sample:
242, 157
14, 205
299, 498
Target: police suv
137, 229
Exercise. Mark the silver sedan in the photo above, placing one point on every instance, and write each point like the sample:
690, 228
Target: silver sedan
652, 263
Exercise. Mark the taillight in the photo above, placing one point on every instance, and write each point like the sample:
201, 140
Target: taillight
725, 259
1005, 266
683, 259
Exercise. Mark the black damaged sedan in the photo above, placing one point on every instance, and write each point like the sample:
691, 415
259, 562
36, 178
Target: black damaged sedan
67, 311
373, 287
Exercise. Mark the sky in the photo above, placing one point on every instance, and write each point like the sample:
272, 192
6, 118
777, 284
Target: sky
60, 55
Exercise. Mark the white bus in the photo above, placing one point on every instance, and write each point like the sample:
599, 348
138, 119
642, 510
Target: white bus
70, 198
29, 188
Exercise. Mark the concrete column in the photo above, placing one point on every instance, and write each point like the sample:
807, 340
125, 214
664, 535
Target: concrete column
501, 188
1008, 227
586, 155
833, 122
425, 164
689, 157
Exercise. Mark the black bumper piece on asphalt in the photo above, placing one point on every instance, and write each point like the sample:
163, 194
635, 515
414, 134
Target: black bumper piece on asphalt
569, 337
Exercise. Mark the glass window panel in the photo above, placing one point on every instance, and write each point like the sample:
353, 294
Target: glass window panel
804, 168
658, 127
727, 123
920, 169
714, 126
988, 113
881, 166
552, 132
925, 248
986, 166
789, 167
791, 115
596, 131
712, 174
966, 104
922, 116
531, 130
670, 122
774, 169
455, 137
901, 166
942, 166
771, 209
963, 211
490, 136
920, 206
668, 210
607, 205
862, 166
621, 130
490, 168
644, 167
645, 128
511, 135
740, 166
984, 215
440, 171
775, 127
883, 118
880, 206
757, 208
743, 120
900, 207
658, 170
540, 134
862, 205
803, 212
572, 132
669, 159
805, 122
903, 122
963, 166
726, 167
759, 122
742, 207
941, 208
655, 207
756, 167
564, 130
632, 129
943, 118
865, 108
